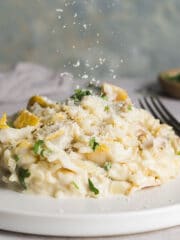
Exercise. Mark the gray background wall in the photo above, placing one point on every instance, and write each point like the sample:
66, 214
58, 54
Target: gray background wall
94, 38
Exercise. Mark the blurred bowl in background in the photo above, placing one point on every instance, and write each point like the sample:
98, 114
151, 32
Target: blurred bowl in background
170, 82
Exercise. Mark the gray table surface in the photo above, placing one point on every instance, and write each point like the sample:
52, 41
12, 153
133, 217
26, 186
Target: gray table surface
28, 79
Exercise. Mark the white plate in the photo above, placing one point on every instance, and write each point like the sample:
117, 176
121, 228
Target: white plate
146, 210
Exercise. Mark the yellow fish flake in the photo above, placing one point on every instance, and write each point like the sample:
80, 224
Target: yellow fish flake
40, 100
55, 135
3, 121
25, 119
102, 148
117, 93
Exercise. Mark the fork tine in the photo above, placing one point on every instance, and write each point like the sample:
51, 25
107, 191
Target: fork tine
141, 104
157, 112
154, 113
166, 111
167, 119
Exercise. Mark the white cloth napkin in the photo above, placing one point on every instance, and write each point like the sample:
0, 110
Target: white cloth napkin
28, 79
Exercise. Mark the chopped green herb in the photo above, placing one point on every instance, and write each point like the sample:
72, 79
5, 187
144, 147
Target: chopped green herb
10, 124
92, 188
93, 144
106, 108
107, 166
178, 153
104, 96
175, 78
129, 107
16, 157
22, 174
75, 185
38, 147
79, 94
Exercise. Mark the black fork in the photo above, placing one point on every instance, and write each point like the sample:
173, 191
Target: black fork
158, 110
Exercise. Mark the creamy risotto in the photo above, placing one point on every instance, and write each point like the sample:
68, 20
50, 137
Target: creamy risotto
94, 144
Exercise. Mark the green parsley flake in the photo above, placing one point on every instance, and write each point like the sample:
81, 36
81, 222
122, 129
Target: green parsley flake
107, 166
92, 188
22, 174
79, 94
106, 108
93, 144
40, 149
10, 124
16, 157
129, 107
175, 78
75, 185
